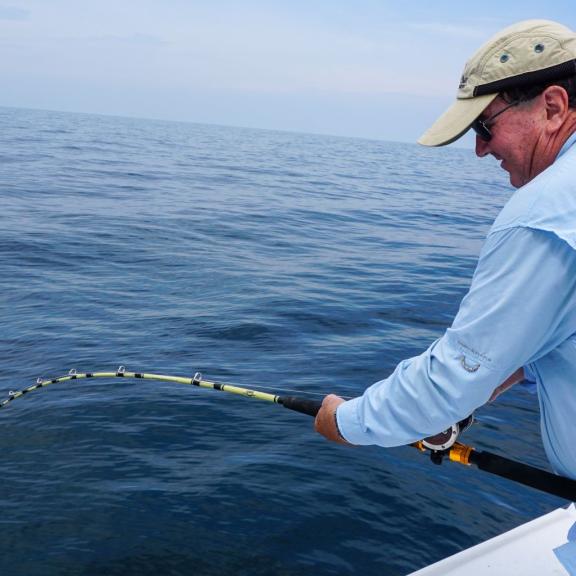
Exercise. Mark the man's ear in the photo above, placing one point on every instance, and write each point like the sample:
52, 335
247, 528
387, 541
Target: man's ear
556, 102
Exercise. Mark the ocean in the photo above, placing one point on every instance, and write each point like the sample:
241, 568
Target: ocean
289, 262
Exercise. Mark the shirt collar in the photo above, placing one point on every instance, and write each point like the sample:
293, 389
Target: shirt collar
567, 144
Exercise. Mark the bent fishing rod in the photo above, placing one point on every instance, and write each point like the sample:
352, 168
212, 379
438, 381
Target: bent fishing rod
441, 446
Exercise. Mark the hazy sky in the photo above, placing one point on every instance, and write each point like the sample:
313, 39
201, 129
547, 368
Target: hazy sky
370, 68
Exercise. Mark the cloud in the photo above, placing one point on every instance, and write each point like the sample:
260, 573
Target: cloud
13, 13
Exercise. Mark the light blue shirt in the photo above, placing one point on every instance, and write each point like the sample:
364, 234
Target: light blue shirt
520, 311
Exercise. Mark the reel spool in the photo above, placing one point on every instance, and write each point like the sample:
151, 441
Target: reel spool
443, 441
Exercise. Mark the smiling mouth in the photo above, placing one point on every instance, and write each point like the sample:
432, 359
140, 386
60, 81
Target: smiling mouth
502, 163
499, 158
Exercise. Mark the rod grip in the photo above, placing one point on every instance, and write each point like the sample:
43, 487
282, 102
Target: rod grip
525, 474
303, 405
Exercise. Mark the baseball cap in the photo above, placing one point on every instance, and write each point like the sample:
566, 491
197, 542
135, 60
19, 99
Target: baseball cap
528, 53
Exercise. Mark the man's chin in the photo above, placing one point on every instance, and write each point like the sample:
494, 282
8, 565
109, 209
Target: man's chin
515, 183
515, 179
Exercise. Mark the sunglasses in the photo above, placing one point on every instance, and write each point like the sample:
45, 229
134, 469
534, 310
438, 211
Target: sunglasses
482, 126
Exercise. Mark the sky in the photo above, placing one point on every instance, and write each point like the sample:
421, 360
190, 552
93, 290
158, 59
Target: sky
365, 68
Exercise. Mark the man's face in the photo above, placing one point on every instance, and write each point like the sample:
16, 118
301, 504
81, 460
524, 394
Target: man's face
517, 139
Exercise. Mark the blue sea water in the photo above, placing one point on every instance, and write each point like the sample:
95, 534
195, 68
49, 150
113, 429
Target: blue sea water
285, 261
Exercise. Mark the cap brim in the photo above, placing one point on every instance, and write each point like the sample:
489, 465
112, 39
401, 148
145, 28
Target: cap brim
456, 120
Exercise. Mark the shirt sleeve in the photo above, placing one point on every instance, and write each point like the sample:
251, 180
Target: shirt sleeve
519, 307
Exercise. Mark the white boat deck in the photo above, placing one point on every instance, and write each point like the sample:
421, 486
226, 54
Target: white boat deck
528, 550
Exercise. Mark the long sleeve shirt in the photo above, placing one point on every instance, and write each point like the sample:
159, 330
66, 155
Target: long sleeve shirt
520, 311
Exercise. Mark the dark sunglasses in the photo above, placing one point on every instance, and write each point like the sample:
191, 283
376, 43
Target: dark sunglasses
482, 126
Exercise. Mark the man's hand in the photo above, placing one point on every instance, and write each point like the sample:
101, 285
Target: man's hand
325, 422
518, 376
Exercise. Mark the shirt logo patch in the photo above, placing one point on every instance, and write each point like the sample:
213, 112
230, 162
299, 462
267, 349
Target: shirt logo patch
468, 367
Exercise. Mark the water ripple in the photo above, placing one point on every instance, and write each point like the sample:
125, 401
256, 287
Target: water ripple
304, 263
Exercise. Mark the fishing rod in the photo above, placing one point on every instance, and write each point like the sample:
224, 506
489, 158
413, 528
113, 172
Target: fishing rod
297, 404
441, 446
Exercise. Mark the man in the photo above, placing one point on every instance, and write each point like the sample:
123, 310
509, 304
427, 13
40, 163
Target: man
518, 320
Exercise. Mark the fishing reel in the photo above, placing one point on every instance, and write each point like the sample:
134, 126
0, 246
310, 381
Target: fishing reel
440, 444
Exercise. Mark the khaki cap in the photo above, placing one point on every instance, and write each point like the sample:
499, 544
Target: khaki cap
528, 53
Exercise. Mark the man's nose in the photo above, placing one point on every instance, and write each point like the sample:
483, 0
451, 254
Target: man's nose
482, 147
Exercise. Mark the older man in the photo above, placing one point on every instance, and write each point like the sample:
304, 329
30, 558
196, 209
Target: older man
518, 320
